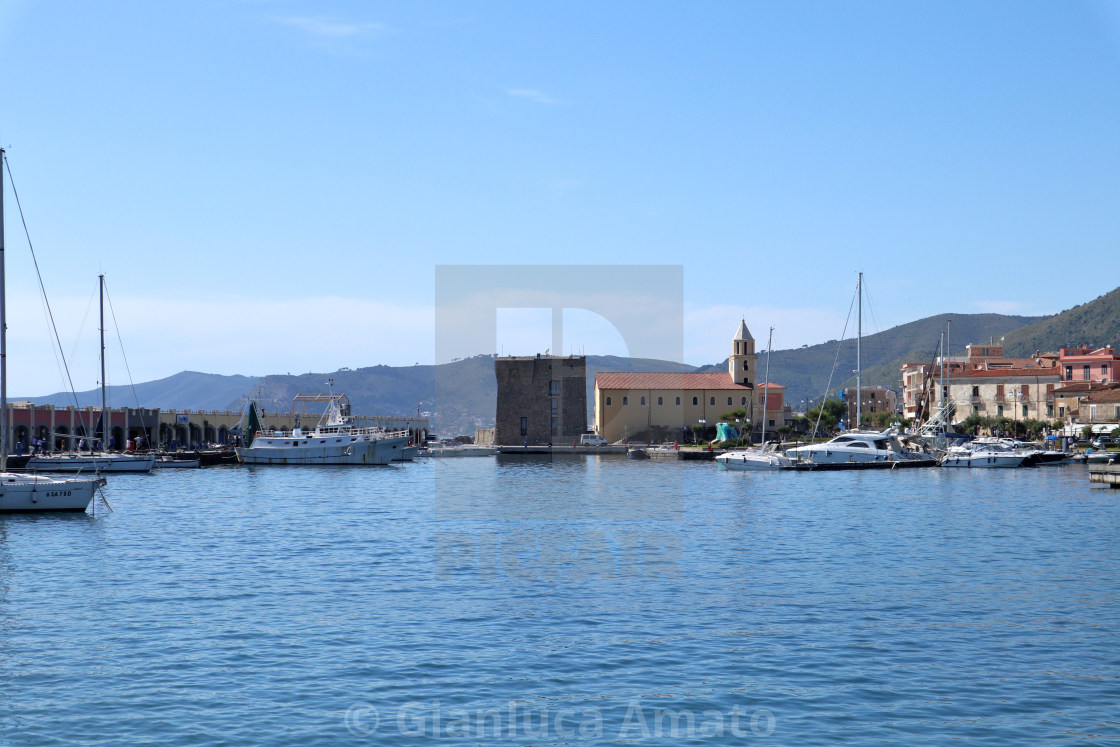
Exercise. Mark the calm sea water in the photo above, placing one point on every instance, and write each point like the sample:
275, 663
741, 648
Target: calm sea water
585, 600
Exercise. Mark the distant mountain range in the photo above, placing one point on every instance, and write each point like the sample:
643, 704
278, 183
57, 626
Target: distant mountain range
460, 396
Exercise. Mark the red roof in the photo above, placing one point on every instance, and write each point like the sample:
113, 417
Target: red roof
1109, 395
1074, 387
651, 380
995, 374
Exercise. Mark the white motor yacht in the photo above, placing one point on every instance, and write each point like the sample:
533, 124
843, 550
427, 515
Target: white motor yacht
857, 447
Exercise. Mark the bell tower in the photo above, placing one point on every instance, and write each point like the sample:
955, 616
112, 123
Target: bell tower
743, 360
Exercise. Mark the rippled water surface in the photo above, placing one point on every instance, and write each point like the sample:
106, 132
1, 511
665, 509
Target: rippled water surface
584, 600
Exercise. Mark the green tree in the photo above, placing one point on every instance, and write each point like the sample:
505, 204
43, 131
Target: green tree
831, 413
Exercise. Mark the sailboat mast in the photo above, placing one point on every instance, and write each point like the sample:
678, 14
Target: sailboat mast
104, 401
948, 417
3, 335
941, 374
859, 366
766, 388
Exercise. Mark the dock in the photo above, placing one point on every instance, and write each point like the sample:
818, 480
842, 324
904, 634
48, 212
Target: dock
560, 449
1106, 474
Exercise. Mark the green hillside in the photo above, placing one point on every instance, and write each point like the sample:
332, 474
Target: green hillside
1096, 323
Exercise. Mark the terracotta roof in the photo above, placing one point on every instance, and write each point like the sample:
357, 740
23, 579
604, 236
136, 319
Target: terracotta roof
1109, 395
652, 380
771, 385
970, 374
1075, 387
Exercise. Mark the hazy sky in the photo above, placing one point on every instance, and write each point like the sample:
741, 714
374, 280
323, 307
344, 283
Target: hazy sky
269, 186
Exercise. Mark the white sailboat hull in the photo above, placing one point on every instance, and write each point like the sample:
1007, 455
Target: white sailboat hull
21, 493
98, 462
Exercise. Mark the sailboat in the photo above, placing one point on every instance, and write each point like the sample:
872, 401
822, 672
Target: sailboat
766, 456
858, 448
99, 460
22, 492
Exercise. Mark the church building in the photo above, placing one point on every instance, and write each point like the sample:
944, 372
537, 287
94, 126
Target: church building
639, 405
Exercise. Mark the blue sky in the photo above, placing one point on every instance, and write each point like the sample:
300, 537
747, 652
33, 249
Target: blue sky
269, 186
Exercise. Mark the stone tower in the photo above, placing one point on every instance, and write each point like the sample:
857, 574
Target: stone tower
743, 360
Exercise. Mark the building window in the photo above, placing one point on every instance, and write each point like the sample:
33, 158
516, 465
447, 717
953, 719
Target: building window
608, 401
729, 402
1024, 411
975, 391
695, 401
556, 426
678, 401
524, 426
625, 401
643, 401
976, 409
712, 401
1069, 373
555, 405
743, 401
554, 388
1085, 375
660, 401
1049, 411
999, 411
1104, 371
745, 366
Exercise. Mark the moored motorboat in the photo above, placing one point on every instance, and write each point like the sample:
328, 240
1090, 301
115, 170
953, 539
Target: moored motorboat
984, 456
863, 448
765, 458
444, 451
170, 462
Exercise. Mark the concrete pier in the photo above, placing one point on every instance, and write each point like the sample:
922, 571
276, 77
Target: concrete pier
1107, 474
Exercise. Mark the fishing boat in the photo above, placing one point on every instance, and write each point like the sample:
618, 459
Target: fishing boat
766, 457
333, 441
22, 492
97, 460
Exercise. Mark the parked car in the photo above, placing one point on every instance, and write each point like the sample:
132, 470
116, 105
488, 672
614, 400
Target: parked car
592, 439
1103, 442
